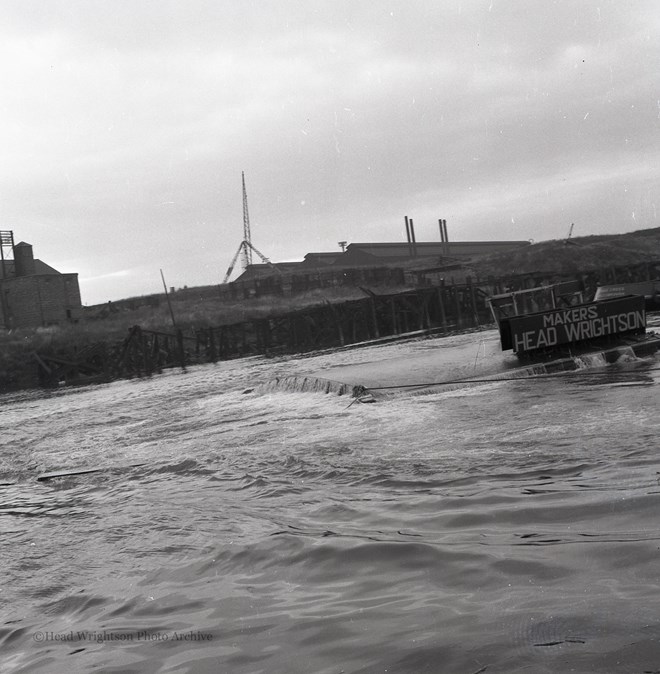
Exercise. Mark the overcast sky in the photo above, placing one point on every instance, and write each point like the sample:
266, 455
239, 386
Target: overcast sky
126, 125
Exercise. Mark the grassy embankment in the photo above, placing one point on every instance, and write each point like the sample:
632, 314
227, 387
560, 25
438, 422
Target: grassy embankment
578, 255
191, 309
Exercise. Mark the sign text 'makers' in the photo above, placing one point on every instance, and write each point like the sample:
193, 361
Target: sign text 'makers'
576, 324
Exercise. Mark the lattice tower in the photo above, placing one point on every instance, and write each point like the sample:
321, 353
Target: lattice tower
247, 237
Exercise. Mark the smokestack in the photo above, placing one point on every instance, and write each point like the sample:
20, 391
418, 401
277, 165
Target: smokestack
442, 231
444, 224
23, 259
412, 236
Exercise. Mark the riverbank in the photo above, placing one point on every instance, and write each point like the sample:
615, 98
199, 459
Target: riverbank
144, 335
75, 353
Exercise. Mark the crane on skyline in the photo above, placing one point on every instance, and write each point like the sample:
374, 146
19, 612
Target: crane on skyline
247, 237
246, 246
568, 239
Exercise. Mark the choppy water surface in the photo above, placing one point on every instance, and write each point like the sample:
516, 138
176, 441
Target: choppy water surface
512, 526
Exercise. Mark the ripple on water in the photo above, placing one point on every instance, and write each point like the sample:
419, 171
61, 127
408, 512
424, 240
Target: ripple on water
511, 527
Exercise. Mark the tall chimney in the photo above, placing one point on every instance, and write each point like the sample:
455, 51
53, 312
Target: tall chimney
23, 259
409, 234
412, 236
442, 231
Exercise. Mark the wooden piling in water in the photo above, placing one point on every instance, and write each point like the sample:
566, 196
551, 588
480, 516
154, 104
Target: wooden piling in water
427, 315
181, 353
473, 302
440, 293
457, 306
374, 317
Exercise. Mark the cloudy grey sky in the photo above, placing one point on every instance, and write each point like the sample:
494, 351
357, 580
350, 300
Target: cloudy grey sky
126, 125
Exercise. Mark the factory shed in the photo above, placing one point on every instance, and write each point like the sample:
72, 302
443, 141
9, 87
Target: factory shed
440, 256
32, 293
359, 254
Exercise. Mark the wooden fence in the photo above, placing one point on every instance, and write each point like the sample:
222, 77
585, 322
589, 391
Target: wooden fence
145, 352
376, 316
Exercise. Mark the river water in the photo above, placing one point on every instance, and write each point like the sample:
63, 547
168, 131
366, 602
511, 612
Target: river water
511, 526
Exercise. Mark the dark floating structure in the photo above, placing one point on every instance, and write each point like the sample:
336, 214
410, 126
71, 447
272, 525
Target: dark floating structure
650, 290
554, 320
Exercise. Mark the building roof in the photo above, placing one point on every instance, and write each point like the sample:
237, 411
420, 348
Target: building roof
262, 270
321, 259
447, 254
454, 249
40, 268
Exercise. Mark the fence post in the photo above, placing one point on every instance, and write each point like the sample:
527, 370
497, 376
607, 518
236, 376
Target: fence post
374, 316
155, 354
337, 318
180, 350
473, 302
441, 304
213, 354
457, 301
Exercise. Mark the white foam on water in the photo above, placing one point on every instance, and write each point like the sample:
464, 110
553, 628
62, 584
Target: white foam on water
627, 355
589, 360
301, 383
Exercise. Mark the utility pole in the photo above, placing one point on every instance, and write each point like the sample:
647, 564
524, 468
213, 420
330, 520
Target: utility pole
167, 297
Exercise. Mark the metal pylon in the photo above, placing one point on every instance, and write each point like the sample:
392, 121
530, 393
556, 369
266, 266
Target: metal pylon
247, 237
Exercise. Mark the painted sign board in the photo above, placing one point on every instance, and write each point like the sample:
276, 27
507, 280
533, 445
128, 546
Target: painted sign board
583, 322
647, 288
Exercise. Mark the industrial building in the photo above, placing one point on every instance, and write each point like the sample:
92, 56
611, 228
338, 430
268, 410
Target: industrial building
363, 254
32, 293
381, 254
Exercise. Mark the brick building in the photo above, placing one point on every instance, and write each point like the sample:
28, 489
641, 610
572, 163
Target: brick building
32, 293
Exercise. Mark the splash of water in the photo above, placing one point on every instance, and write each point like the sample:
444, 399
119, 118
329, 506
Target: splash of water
301, 384
589, 360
